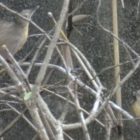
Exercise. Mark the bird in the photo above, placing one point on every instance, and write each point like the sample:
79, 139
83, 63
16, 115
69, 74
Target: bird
136, 104
14, 34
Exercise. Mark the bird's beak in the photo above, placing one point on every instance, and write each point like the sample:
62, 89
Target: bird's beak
34, 10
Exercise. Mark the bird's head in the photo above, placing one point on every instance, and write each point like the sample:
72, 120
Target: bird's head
27, 13
137, 95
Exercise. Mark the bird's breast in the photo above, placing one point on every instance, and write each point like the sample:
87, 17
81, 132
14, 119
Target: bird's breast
136, 108
24, 36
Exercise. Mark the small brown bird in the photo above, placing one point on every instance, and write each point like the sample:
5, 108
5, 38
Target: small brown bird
136, 105
14, 34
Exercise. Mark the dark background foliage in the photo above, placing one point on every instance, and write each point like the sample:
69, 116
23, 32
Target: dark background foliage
94, 43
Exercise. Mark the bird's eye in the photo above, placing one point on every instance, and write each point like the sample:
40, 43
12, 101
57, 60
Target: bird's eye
26, 15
